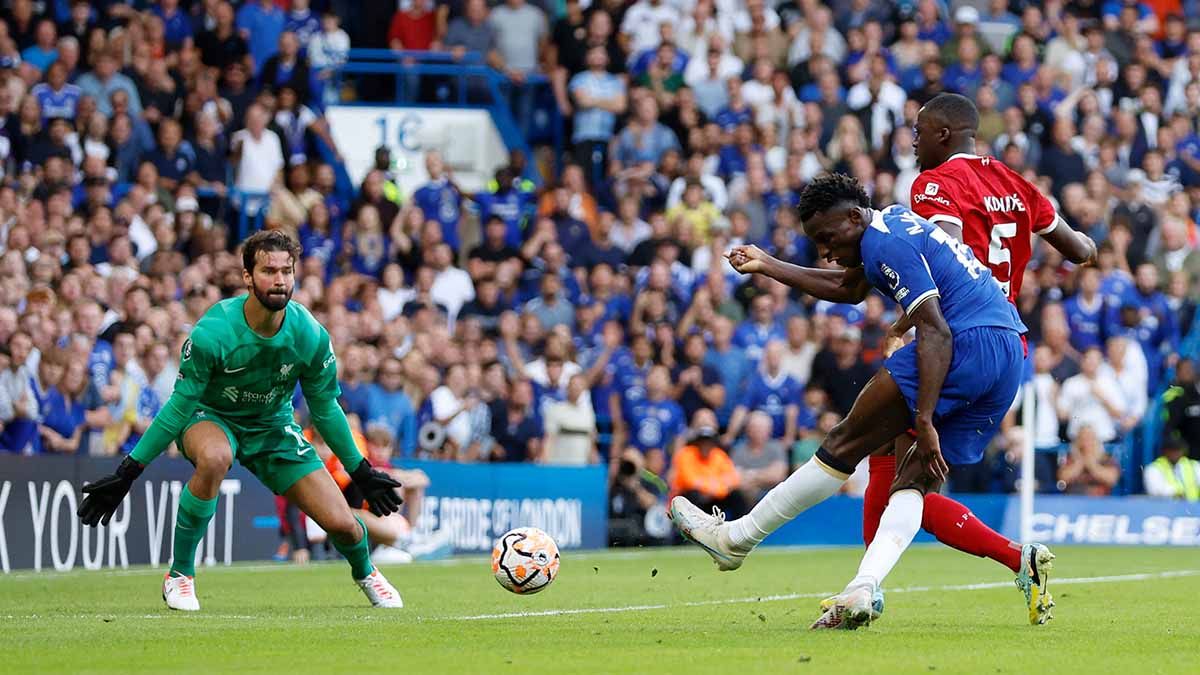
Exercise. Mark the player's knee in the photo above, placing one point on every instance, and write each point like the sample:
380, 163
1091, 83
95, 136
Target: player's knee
213, 462
837, 443
840, 450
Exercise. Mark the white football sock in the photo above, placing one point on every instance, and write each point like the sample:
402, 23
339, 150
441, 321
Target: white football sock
899, 524
808, 485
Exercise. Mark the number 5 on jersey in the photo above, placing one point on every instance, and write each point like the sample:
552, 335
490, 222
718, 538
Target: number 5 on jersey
999, 253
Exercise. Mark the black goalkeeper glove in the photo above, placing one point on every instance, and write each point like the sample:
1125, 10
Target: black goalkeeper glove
105, 495
378, 488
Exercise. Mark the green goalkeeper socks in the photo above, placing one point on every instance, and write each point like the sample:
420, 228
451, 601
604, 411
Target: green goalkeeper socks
190, 526
358, 555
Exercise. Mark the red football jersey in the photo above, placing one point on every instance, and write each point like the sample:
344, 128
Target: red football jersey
998, 210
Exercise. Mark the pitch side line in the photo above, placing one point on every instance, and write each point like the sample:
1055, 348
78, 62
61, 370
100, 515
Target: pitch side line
1116, 578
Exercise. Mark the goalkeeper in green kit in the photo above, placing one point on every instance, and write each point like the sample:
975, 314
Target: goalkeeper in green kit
233, 399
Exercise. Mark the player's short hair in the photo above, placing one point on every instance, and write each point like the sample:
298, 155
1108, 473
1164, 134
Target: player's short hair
266, 241
829, 190
954, 110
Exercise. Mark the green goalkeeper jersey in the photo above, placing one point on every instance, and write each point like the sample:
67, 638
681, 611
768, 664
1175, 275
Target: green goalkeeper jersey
249, 379
246, 379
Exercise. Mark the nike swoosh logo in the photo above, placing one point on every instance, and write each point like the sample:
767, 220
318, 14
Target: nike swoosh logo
303, 451
236, 370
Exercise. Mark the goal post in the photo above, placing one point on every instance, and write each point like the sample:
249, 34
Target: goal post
1028, 420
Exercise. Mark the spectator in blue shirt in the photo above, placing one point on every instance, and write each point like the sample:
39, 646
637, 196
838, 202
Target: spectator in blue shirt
697, 383
753, 335
302, 21
644, 139
43, 52
355, 383
1115, 282
963, 75
1146, 315
261, 23
173, 160
62, 423
930, 25
736, 112
440, 199
509, 203
1024, 64
56, 96
730, 362
772, 391
733, 158
177, 24
655, 425
599, 97
1085, 311
388, 405
516, 427
104, 81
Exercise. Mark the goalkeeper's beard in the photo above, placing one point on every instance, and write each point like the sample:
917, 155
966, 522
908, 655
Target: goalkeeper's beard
273, 301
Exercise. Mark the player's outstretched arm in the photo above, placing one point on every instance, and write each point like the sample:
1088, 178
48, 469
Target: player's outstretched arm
935, 348
318, 380
1074, 245
378, 488
849, 286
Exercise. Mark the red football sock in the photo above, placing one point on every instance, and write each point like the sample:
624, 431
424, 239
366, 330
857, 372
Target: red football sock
955, 526
879, 490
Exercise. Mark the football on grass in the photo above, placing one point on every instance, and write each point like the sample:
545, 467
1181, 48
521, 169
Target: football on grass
525, 560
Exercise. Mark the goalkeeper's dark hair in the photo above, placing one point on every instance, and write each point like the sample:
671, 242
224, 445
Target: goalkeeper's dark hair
266, 241
954, 111
829, 190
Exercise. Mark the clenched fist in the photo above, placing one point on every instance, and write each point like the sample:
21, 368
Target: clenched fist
748, 259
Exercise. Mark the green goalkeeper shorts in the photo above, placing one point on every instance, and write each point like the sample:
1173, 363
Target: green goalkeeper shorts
277, 456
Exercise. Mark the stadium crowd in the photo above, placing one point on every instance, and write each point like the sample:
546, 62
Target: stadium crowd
592, 319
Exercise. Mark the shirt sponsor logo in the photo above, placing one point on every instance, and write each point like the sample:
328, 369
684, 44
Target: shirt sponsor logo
236, 395
328, 360
931, 189
936, 199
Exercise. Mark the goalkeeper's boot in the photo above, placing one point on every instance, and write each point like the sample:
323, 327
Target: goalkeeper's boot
1033, 579
851, 609
876, 603
709, 532
379, 591
179, 592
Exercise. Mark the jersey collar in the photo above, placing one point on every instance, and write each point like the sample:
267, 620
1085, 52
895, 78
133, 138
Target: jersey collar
963, 155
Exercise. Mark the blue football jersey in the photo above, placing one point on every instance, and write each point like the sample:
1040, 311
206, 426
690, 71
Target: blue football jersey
911, 260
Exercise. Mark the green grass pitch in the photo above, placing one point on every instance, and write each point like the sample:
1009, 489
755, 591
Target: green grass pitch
643, 611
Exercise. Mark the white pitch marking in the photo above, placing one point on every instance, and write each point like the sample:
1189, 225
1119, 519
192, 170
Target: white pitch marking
1115, 578
800, 596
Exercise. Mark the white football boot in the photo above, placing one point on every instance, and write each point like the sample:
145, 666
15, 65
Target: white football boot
852, 609
709, 532
1034, 579
379, 591
179, 592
